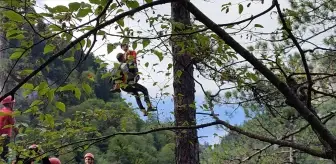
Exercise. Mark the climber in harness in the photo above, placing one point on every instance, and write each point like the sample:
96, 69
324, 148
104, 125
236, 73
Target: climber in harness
130, 57
126, 77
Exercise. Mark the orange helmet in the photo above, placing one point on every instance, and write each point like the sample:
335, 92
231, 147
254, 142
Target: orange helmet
89, 155
54, 160
7, 100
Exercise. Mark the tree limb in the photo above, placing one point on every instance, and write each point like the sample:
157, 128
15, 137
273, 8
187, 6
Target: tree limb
303, 57
300, 147
73, 43
281, 86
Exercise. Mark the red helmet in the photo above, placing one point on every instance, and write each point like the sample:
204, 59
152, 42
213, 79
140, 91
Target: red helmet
54, 160
8, 100
89, 155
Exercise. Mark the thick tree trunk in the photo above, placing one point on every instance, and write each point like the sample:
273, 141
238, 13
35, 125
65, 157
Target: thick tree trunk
187, 147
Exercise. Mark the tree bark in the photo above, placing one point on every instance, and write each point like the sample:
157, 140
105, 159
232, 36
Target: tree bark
187, 146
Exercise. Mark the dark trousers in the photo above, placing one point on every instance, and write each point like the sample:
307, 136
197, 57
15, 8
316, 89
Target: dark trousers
134, 89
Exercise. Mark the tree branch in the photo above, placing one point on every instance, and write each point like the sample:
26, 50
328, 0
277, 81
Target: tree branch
303, 57
281, 86
328, 115
300, 147
198, 31
73, 43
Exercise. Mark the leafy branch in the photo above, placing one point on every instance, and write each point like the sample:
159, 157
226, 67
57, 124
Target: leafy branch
303, 57
76, 41
217, 122
281, 86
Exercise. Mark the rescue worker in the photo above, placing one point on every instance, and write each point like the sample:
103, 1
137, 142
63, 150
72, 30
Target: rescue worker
131, 58
53, 160
89, 158
31, 159
130, 78
6, 119
130, 55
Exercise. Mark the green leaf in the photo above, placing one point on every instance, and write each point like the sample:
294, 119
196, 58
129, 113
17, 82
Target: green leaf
178, 73
36, 103
134, 45
51, 95
132, 4
98, 10
101, 32
26, 72
83, 12
241, 8
50, 120
146, 64
145, 42
252, 76
16, 55
28, 86
105, 75
158, 54
68, 87
88, 43
113, 6
74, 6
149, 1
78, 93
110, 47
258, 25
228, 94
97, 2
121, 22
13, 16
169, 66
61, 8
54, 28
70, 59
60, 106
48, 48
87, 88
14, 32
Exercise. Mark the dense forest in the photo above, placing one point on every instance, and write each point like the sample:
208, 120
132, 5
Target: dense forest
283, 80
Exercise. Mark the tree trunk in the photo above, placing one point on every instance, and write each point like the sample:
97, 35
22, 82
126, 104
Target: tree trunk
187, 147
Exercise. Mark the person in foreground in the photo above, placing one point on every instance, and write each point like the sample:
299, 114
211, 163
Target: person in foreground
7, 122
89, 158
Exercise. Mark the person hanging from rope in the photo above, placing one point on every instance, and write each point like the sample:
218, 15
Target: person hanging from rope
128, 82
7, 122
131, 57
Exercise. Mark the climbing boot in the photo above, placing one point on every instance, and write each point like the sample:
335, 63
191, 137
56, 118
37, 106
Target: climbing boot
150, 108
